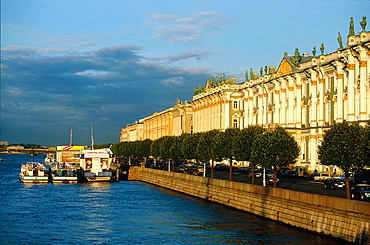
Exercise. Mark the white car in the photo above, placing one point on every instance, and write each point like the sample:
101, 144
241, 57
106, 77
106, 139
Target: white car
321, 177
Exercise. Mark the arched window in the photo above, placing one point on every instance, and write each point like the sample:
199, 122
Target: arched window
235, 105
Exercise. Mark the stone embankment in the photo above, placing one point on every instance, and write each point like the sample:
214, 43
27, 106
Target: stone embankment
341, 218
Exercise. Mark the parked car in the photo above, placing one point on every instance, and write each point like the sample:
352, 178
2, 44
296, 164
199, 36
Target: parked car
342, 176
321, 177
289, 174
270, 179
334, 183
361, 191
244, 170
257, 174
220, 167
311, 176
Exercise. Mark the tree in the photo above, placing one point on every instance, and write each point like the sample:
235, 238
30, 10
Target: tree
189, 145
274, 149
346, 146
205, 147
224, 146
242, 145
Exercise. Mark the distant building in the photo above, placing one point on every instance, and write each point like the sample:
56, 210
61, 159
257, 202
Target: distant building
173, 121
3, 145
132, 132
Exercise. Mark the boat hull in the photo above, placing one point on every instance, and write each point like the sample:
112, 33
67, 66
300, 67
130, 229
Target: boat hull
64, 180
34, 179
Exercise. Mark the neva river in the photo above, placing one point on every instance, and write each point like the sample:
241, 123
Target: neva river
125, 213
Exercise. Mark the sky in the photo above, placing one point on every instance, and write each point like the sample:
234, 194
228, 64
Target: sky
67, 64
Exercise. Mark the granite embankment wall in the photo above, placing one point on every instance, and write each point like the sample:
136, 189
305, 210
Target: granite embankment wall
337, 217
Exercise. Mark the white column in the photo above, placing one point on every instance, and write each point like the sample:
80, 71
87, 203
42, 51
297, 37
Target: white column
321, 88
339, 77
277, 103
351, 90
291, 103
260, 105
298, 122
283, 104
363, 101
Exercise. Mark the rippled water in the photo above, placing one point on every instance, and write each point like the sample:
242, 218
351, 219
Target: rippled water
125, 213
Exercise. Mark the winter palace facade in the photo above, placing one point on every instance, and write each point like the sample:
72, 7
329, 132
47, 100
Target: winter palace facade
306, 94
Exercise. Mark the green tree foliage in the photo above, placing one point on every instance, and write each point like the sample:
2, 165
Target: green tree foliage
106, 145
144, 148
189, 145
346, 146
206, 147
243, 145
223, 147
154, 148
274, 149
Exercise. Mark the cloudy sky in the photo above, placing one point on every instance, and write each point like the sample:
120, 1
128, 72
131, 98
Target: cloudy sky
65, 64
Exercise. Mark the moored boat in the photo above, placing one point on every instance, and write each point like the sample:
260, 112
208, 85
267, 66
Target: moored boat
33, 172
65, 173
98, 165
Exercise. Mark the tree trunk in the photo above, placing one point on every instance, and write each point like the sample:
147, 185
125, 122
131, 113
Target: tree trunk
253, 174
212, 169
348, 186
231, 170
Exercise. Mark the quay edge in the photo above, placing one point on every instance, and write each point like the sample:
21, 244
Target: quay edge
340, 218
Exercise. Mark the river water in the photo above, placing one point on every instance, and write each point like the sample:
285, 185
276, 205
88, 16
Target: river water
125, 213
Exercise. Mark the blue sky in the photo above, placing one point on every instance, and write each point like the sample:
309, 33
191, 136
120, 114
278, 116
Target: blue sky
68, 63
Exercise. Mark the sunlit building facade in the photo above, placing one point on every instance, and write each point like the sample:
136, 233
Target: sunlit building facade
171, 122
306, 94
132, 132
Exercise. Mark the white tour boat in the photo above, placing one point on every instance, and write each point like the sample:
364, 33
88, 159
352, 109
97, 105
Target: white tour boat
33, 172
65, 173
98, 165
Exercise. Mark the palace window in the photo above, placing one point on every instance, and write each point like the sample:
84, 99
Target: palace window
235, 123
235, 104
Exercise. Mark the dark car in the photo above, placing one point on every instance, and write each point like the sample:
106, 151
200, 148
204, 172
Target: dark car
220, 167
289, 174
334, 183
361, 191
312, 176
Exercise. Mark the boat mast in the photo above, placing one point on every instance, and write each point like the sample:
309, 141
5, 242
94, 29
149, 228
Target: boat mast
70, 138
92, 136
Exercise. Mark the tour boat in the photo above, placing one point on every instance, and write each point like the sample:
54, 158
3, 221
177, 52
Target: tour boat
33, 172
65, 173
98, 165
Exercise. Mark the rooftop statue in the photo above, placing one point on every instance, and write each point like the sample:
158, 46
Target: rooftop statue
296, 58
251, 73
351, 27
314, 51
178, 102
261, 71
322, 49
363, 23
266, 70
340, 41
246, 75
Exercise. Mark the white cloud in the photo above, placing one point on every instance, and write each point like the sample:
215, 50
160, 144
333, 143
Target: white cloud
173, 81
190, 28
